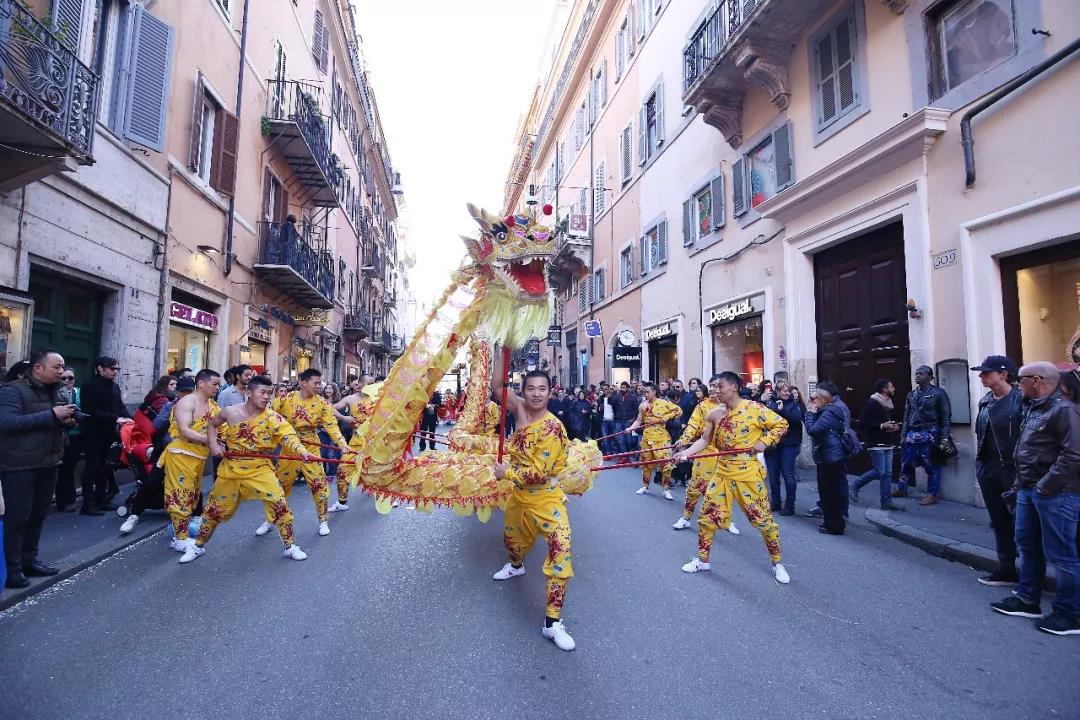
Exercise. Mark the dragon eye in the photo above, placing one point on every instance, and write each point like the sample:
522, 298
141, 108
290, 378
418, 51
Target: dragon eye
500, 236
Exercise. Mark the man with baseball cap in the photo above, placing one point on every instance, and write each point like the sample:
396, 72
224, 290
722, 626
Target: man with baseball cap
927, 418
997, 428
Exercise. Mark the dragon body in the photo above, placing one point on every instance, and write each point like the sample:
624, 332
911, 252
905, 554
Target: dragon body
500, 295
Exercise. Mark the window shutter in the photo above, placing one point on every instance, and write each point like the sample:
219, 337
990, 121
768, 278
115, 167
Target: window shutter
689, 229
846, 42
661, 241
148, 88
317, 35
642, 150
598, 189
583, 299
630, 32
827, 82
660, 115
67, 18
644, 255
642, 18
716, 191
603, 83
620, 53
785, 174
738, 188
226, 139
590, 110
196, 124
626, 154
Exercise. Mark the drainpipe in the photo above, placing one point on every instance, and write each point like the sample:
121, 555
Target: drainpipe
163, 281
239, 104
592, 238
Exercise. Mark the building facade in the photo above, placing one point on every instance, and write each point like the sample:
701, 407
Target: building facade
225, 193
806, 204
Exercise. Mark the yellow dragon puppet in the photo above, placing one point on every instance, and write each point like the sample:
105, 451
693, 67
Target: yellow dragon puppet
499, 295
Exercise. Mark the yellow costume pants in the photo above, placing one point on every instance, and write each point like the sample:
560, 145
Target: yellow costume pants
665, 469
183, 479
314, 473
541, 510
699, 480
235, 484
343, 475
748, 487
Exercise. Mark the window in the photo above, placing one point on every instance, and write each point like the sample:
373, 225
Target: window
67, 20
583, 295
578, 128
654, 248
703, 213
622, 38
836, 70
626, 266
224, 5
762, 172
651, 129
598, 189
133, 57
598, 285
215, 134
599, 91
625, 157
583, 201
560, 161
275, 199
969, 37
320, 42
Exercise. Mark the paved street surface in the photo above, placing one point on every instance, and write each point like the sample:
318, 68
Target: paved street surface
397, 616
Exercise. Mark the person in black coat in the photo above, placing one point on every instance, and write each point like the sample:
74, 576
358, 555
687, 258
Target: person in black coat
429, 421
579, 417
559, 406
101, 400
780, 460
880, 432
826, 422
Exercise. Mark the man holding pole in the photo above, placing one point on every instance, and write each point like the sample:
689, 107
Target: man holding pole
653, 414
704, 468
537, 505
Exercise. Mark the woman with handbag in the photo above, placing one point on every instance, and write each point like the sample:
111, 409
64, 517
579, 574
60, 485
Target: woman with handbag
828, 424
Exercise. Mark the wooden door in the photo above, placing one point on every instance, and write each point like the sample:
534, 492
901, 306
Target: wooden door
862, 323
67, 318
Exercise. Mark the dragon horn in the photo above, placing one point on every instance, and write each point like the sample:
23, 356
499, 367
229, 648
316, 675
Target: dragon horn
491, 219
479, 217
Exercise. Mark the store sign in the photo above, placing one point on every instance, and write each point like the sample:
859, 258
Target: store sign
554, 337
626, 357
735, 310
593, 329
313, 318
259, 334
660, 331
202, 319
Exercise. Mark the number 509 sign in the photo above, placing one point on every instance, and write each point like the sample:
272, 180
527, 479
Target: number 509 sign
944, 259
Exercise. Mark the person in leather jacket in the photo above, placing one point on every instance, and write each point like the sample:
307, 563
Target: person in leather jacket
997, 428
927, 419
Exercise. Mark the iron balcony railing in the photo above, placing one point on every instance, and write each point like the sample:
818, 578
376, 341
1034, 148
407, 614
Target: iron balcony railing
386, 338
43, 80
374, 264
283, 245
297, 102
358, 321
712, 36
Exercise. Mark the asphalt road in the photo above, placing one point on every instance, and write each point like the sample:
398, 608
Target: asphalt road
397, 617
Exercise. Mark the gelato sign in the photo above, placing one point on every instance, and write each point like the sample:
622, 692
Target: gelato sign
187, 315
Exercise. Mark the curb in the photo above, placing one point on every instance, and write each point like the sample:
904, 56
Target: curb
79, 560
965, 553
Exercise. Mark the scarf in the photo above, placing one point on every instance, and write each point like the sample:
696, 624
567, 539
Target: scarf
885, 400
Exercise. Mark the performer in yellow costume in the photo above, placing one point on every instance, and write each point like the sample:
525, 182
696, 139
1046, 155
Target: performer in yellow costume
537, 505
654, 413
250, 428
185, 456
489, 419
360, 407
705, 467
306, 411
750, 427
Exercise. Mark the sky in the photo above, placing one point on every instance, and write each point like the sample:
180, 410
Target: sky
452, 79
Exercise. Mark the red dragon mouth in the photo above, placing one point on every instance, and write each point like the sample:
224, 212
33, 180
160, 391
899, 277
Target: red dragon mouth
529, 276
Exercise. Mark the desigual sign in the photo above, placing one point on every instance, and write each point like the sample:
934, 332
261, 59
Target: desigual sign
660, 331
626, 357
735, 310
192, 316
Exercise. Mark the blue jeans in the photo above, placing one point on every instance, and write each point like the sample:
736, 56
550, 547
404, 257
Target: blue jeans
916, 451
626, 441
328, 454
1046, 532
606, 428
780, 462
881, 462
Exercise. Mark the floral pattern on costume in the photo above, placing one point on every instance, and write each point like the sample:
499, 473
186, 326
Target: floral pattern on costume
655, 439
183, 462
307, 417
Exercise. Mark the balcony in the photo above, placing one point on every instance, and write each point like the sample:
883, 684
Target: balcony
357, 324
746, 43
292, 263
295, 124
570, 262
397, 346
374, 265
48, 101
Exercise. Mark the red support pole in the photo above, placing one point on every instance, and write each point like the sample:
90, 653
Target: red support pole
502, 409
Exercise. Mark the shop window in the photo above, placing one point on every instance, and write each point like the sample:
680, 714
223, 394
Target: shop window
1048, 308
739, 347
968, 37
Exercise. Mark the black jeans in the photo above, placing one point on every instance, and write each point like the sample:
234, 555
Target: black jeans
65, 480
428, 423
98, 478
831, 482
995, 477
27, 494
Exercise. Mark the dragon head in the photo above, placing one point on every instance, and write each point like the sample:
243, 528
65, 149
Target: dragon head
516, 249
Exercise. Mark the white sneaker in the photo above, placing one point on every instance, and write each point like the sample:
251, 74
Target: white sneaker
508, 571
263, 529
395, 503
338, 507
681, 524
668, 495
293, 552
642, 491
324, 529
129, 524
558, 635
696, 565
181, 545
193, 551
780, 574
733, 530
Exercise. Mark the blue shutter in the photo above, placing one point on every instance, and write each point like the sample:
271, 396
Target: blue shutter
785, 173
661, 241
67, 18
148, 86
738, 188
716, 190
